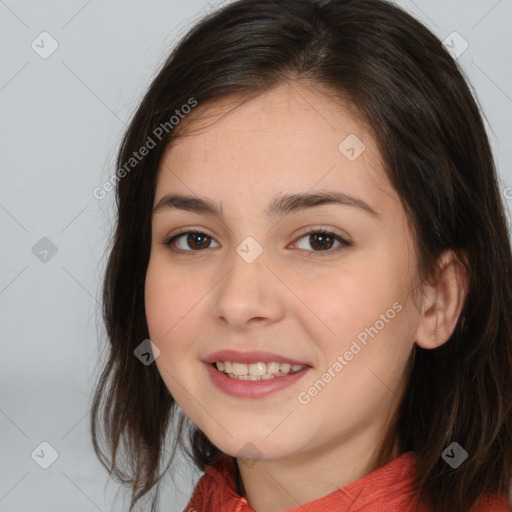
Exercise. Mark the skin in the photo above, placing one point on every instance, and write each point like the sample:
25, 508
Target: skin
291, 300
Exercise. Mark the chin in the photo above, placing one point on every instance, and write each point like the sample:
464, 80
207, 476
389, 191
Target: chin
253, 448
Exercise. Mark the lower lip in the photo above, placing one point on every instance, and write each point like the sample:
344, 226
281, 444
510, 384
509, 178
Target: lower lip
252, 388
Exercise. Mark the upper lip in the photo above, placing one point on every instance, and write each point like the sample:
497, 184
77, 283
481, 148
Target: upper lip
247, 357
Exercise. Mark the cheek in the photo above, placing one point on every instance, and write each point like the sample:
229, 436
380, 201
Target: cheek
372, 318
352, 300
169, 300
159, 305
169, 304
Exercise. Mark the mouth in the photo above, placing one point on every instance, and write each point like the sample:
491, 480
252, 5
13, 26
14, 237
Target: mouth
253, 374
257, 371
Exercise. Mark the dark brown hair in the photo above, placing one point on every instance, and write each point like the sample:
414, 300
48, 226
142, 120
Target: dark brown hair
430, 133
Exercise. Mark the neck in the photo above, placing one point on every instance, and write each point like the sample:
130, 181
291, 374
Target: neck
272, 486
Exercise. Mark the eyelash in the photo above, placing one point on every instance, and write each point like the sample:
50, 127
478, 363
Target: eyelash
343, 243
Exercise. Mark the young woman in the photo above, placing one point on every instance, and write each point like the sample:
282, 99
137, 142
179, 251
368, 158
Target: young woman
311, 234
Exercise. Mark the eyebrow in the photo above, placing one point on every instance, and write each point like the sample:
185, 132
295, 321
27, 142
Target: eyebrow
281, 205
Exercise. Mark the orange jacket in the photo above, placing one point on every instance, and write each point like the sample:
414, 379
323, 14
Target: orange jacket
387, 489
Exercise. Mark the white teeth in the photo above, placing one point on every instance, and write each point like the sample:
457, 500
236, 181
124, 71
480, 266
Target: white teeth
285, 367
272, 367
240, 369
257, 371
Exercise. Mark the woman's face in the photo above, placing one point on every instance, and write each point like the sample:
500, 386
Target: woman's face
260, 279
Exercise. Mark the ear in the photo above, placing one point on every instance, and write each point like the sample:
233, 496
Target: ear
443, 300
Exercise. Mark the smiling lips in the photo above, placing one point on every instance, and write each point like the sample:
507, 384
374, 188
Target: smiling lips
250, 368
257, 371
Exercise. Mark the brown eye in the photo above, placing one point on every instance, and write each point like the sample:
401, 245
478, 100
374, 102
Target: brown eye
322, 241
190, 241
198, 240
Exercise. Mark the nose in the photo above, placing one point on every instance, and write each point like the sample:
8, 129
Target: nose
249, 294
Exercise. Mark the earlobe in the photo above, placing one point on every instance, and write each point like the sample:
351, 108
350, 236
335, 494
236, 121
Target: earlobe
443, 300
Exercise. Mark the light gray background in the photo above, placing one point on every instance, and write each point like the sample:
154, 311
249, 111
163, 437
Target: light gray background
62, 118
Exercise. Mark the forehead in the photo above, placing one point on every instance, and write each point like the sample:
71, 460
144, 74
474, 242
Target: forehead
290, 139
